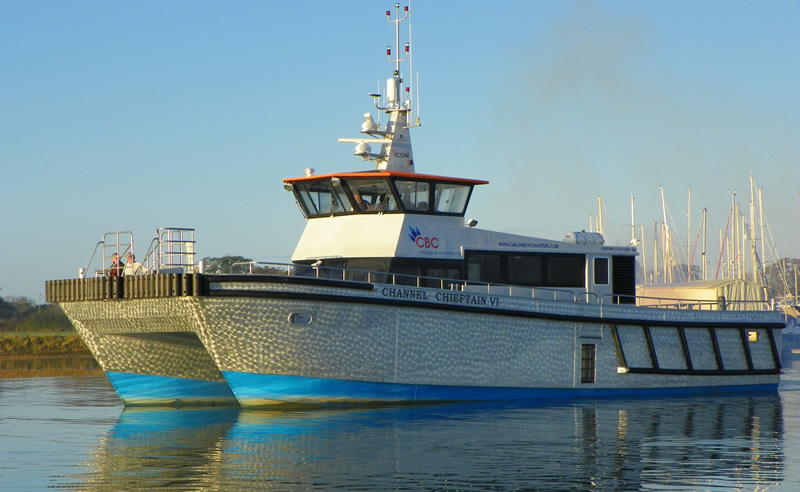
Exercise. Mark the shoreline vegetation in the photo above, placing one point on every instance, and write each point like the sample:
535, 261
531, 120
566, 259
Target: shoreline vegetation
25, 355
37, 340
42, 344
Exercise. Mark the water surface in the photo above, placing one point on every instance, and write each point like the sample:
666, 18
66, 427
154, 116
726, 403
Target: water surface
73, 433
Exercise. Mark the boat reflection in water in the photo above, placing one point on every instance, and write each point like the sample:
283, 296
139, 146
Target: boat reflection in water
161, 447
673, 443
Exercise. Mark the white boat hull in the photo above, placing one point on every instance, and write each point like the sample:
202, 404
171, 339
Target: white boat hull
369, 346
269, 340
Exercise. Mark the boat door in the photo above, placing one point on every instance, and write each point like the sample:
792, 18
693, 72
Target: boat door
598, 278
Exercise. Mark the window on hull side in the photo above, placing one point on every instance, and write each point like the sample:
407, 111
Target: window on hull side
533, 270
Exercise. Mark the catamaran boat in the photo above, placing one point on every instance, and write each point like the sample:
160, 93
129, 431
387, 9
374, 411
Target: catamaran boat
393, 296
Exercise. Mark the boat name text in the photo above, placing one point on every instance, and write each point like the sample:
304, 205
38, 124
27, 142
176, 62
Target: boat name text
446, 297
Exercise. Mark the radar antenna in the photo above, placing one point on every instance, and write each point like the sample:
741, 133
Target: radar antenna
395, 151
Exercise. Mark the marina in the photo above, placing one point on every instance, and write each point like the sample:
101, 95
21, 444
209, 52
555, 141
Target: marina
395, 296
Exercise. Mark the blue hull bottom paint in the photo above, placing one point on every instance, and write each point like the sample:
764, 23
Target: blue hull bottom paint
141, 389
258, 390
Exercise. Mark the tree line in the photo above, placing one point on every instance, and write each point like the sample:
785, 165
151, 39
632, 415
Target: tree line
20, 314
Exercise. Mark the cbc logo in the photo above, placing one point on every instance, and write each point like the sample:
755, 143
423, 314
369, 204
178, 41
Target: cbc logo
423, 242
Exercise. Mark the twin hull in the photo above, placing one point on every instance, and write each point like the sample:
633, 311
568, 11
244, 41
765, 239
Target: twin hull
263, 340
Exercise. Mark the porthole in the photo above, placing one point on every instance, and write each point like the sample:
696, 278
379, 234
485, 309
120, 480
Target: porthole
300, 319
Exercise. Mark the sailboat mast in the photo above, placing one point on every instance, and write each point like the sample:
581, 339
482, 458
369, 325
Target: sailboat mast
600, 214
644, 255
732, 248
761, 232
703, 254
752, 230
633, 224
689, 236
666, 239
655, 252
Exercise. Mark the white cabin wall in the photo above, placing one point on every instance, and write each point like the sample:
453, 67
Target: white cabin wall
352, 236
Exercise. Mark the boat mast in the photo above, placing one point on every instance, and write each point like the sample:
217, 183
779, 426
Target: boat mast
634, 242
600, 214
732, 244
644, 255
703, 254
666, 252
689, 237
395, 152
761, 231
752, 231
656, 231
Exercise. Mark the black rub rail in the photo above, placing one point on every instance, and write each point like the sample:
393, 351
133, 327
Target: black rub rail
166, 285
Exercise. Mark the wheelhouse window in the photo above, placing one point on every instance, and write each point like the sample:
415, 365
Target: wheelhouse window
322, 198
362, 194
451, 198
415, 195
373, 195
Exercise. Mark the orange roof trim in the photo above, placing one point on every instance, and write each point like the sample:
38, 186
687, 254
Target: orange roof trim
386, 174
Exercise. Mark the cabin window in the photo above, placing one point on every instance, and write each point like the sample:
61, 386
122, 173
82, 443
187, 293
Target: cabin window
526, 270
319, 198
436, 269
566, 271
415, 195
406, 271
601, 271
451, 198
373, 195
485, 267
533, 270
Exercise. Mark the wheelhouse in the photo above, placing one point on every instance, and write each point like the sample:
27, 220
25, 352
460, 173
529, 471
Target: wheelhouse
379, 192
411, 228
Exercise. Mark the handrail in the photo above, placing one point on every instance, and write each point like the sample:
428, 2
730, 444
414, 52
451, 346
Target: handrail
699, 304
82, 271
520, 291
400, 279
149, 265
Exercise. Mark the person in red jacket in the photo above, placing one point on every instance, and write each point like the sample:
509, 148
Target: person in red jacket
116, 266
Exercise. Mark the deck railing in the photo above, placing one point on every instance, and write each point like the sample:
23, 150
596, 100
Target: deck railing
545, 293
160, 284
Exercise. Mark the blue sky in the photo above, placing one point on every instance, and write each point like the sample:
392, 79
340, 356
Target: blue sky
129, 116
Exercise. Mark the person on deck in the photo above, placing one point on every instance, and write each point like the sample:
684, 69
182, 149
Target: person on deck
116, 266
133, 268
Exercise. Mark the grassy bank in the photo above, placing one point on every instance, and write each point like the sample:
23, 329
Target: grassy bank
49, 344
26, 355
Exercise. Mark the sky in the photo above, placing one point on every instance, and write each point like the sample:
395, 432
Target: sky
130, 116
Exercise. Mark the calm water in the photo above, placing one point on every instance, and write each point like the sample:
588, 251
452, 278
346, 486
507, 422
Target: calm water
73, 433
